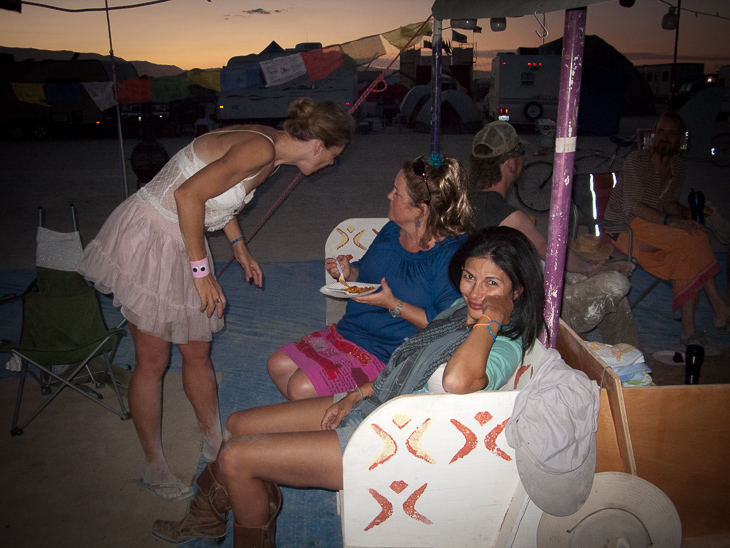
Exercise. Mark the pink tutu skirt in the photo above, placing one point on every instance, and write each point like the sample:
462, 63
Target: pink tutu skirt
140, 258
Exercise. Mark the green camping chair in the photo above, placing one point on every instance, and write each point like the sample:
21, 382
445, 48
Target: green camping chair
63, 331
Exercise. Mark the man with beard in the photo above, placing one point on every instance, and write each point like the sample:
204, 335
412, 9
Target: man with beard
594, 294
667, 242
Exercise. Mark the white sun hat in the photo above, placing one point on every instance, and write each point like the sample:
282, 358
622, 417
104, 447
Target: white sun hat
622, 511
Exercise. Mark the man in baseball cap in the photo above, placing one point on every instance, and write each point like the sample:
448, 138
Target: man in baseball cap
497, 139
599, 301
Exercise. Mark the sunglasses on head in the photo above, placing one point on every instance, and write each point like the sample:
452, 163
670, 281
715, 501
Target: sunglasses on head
419, 168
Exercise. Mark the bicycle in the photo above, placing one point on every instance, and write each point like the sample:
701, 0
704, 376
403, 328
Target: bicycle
535, 189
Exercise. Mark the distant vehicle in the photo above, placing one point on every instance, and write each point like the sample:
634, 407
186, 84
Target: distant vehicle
688, 90
20, 120
167, 120
272, 103
524, 87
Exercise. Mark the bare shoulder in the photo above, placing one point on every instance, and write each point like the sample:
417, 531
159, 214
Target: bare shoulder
247, 145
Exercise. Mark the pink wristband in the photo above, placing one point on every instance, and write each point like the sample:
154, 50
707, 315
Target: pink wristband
200, 268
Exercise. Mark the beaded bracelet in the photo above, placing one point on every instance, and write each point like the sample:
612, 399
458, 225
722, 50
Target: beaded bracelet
237, 240
200, 268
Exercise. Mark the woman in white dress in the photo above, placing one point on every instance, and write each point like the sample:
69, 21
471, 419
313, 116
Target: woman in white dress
153, 256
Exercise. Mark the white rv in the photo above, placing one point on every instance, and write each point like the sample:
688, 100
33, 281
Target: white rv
524, 87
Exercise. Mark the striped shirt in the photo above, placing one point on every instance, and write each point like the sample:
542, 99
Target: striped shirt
638, 182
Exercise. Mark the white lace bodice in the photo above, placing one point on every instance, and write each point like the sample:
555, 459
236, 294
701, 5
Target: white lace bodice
219, 210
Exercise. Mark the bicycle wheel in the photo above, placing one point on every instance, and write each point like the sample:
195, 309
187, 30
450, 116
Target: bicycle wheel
721, 150
536, 186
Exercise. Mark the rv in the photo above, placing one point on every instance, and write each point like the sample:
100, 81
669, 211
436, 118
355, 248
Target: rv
271, 103
524, 87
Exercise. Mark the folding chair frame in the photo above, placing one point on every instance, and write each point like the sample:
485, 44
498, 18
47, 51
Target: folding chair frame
114, 334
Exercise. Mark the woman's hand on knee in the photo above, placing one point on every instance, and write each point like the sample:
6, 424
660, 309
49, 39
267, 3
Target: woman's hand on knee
338, 411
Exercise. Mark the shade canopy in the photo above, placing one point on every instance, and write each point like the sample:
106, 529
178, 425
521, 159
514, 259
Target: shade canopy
480, 9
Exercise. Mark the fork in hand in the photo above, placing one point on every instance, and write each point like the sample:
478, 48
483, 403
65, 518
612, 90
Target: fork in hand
342, 276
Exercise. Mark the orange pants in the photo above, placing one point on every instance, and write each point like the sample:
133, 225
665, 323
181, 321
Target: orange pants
685, 259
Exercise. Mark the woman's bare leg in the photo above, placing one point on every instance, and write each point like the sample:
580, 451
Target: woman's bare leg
291, 381
145, 404
280, 443
202, 390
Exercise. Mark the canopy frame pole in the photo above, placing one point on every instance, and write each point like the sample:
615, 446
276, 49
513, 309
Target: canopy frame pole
571, 73
120, 138
436, 88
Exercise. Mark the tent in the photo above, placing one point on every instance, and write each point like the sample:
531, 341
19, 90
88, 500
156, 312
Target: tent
459, 113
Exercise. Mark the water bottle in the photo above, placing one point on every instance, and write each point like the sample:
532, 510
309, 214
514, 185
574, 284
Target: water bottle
697, 206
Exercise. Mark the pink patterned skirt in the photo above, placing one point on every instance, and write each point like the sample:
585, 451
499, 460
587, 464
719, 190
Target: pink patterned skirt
140, 258
332, 363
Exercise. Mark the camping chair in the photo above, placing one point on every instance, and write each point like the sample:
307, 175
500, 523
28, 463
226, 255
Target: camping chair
601, 185
62, 328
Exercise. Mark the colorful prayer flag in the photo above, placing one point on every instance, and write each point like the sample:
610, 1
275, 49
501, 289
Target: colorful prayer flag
322, 62
170, 88
62, 93
134, 90
235, 78
30, 93
400, 37
209, 79
283, 69
365, 50
102, 93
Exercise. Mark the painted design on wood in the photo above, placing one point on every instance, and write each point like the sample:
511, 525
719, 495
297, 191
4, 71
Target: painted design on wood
414, 446
409, 506
520, 371
491, 441
345, 237
469, 444
401, 419
385, 512
390, 448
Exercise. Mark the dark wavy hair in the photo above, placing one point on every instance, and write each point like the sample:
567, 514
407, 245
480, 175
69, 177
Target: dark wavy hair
513, 253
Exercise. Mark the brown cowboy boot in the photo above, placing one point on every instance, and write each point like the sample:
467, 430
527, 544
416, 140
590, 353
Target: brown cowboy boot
207, 514
263, 536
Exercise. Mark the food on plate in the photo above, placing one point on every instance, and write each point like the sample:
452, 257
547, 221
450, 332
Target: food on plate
357, 290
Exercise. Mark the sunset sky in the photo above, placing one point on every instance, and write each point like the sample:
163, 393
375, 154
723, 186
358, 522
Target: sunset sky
205, 34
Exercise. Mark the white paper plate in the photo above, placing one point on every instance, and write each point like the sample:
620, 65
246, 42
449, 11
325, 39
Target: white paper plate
338, 290
667, 357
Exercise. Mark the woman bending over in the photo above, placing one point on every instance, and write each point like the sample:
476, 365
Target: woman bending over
153, 255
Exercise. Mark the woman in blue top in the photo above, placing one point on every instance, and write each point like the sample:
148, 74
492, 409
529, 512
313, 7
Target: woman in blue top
429, 213
474, 345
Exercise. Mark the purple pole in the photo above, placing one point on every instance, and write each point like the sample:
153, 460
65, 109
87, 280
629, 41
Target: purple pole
436, 88
566, 136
